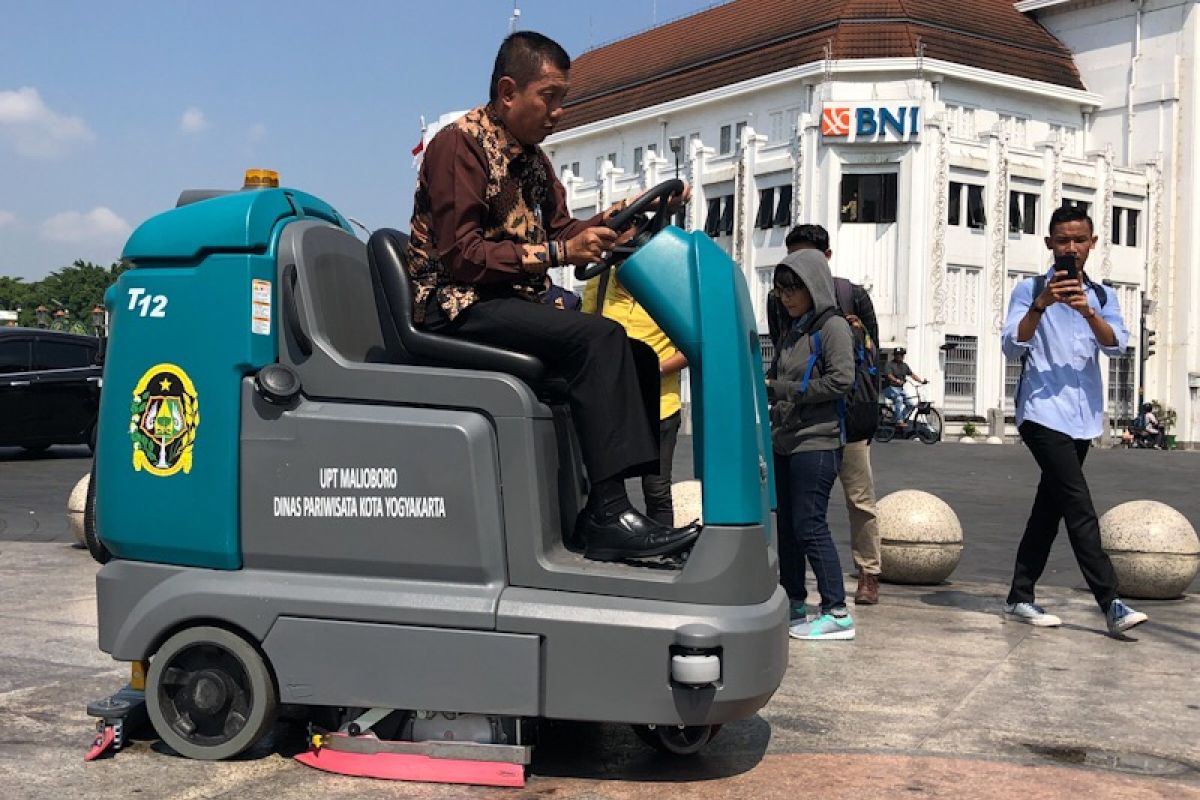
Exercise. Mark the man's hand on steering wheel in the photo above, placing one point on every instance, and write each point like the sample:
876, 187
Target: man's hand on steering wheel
677, 200
590, 245
631, 222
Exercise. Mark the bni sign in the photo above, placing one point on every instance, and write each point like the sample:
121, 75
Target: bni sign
867, 124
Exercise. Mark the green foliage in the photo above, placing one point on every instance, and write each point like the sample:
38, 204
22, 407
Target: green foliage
969, 429
75, 289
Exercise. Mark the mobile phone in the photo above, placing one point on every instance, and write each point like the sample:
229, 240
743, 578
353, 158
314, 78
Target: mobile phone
1066, 263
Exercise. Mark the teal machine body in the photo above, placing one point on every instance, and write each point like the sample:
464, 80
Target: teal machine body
195, 315
689, 285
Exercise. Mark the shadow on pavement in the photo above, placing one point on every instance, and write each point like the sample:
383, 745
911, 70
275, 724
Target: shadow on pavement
613, 752
56, 453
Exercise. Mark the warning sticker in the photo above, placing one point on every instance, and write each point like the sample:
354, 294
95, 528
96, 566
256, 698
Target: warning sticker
260, 307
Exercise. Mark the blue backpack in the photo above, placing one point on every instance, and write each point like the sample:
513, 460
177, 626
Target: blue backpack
858, 411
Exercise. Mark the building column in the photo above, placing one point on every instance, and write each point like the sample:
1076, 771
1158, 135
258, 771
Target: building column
990, 392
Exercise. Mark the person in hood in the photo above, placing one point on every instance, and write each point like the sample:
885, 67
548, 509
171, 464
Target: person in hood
807, 384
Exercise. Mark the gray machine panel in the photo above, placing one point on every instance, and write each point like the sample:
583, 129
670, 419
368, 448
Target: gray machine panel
370, 490
140, 603
337, 308
619, 648
336, 663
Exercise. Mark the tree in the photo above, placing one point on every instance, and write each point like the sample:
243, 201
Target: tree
13, 292
75, 289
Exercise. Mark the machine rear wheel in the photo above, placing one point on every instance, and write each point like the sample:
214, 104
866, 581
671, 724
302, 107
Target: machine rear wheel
94, 545
210, 694
677, 740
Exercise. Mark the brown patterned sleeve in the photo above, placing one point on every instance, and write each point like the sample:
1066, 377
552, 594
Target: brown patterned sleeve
456, 170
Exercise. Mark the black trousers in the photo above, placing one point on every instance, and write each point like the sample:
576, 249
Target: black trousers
656, 488
1062, 495
612, 381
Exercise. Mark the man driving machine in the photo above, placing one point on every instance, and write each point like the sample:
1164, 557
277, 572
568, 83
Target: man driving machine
489, 219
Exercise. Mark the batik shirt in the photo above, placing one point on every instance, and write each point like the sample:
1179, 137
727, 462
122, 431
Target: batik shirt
485, 210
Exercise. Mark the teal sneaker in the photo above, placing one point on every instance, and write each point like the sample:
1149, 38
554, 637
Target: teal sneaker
826, 626
798, 612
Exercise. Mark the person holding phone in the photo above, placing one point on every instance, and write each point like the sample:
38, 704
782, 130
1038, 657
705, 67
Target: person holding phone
1058, 335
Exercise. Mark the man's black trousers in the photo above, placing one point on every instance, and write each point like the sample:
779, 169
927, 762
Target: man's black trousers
613, 381
1062, 495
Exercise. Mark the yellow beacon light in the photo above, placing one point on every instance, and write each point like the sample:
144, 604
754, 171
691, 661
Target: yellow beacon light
261, 179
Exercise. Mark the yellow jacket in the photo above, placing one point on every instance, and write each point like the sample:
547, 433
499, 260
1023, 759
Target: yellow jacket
620, 307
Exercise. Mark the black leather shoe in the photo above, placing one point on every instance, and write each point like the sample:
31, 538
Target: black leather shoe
631, 534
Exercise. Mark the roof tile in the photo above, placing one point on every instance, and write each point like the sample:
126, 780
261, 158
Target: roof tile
748, 38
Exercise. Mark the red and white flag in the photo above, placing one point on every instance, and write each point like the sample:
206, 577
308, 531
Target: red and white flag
420, 148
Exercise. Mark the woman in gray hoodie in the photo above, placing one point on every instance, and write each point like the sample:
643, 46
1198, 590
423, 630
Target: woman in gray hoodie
807, 385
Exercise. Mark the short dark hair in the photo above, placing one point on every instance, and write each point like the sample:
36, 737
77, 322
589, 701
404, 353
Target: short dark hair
521, 57
786, 276
814, 235
1066, 214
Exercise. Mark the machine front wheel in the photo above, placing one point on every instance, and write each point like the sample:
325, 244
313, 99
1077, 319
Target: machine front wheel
677, 740
210, 694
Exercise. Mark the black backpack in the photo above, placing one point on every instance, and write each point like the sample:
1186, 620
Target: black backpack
861, 416
859, 409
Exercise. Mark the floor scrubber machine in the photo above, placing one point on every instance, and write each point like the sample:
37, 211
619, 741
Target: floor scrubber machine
305, 500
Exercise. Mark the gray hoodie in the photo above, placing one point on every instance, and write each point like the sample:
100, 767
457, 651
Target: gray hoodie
809, 419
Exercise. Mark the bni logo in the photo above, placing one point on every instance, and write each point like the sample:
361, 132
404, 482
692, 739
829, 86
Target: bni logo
835, 121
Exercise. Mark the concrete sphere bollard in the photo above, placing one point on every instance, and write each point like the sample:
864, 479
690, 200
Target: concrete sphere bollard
994, 440
688, 502
75, 506
1154, 549
922, 538
967, 440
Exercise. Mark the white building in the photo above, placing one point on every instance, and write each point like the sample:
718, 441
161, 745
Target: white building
933, 145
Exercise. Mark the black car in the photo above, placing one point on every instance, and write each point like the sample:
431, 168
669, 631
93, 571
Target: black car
49, 388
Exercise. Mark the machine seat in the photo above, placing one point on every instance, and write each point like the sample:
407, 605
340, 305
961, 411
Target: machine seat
387, 254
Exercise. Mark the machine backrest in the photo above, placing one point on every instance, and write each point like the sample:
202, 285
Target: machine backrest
387, 253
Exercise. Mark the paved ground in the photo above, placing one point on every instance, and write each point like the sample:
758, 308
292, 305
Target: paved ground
937, 698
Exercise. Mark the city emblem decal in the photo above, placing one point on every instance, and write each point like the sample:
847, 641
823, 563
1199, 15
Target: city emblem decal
163, 420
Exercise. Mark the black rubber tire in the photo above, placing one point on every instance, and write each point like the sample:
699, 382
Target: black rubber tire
96, 547
675, 741
198, 661
887, 425
36, 449
930, 427
91, 439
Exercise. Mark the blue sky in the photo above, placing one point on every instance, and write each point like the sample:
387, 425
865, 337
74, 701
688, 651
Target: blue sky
108, 110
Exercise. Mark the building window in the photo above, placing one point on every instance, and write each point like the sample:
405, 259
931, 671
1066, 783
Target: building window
719, 220
637, 159
976, 214
783, 125
1125, 226
961, 360
783, 211
961, 120
1016, 129
731, 138
1068, 137
1082, 205
1012, 375
573, 168
766, 208
1121, 373
1022, 212
869, 198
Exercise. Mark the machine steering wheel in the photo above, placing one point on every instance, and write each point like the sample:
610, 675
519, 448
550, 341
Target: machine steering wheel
645, 228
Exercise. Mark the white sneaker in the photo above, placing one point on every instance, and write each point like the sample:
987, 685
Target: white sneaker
1031, 614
